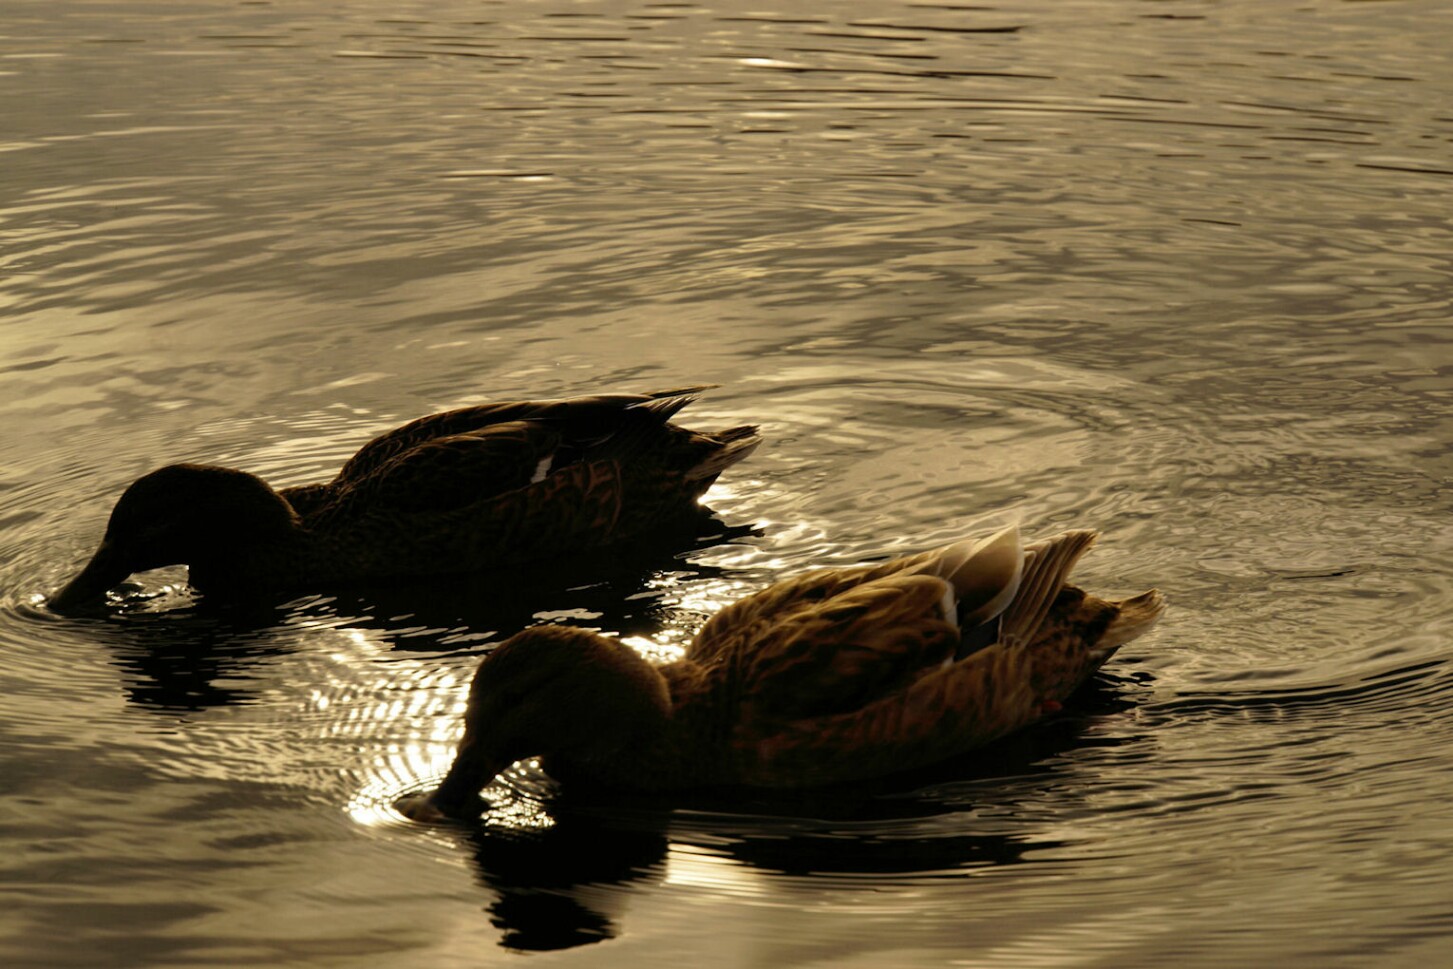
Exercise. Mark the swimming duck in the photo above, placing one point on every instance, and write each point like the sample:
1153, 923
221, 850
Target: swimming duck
834, 676
492, 485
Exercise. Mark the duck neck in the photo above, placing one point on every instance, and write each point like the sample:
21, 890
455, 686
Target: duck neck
685, 748
650, 747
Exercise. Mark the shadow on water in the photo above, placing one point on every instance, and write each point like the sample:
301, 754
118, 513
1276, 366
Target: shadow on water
560, 878
615, 589
179, 658
547, 884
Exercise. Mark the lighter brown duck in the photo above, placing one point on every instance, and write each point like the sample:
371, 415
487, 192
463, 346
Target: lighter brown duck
834, 676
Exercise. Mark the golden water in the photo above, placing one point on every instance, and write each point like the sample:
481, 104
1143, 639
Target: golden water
1177, 271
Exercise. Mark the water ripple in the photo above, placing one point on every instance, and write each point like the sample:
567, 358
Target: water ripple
1176, 274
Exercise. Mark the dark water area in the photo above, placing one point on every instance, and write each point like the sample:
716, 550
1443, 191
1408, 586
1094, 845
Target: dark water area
1178, 271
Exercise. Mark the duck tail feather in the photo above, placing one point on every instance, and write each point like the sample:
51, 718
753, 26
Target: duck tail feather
985, 574
982, 576
664, 406
638, 426
735, 444
682, 391
1136, 617
1047, 565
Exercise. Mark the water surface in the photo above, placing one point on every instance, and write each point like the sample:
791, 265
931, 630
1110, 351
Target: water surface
1176, 271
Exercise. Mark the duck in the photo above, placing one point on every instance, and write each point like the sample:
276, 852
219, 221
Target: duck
480, 487
833, 677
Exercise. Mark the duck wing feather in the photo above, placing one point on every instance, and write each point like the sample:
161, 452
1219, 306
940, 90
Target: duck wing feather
458, 470
581, 422
850, 649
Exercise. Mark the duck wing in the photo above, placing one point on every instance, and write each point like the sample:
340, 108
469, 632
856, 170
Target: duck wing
447, 461
1047, 638
454, 471
984, 575
582, 423
849, 649
737, 628
561, 473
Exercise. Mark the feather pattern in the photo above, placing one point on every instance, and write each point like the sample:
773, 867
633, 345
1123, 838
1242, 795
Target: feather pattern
475, 487
833, 676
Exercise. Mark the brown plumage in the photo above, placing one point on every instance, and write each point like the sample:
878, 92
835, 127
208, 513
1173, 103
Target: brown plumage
833, 676
472, 488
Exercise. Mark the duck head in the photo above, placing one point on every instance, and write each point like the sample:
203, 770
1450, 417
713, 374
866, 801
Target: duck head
183, 514
565, 694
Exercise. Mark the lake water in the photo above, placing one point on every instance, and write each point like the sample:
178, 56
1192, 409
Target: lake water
1179, 271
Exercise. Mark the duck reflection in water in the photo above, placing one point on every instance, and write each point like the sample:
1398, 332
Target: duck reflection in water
176, 659
487, 486
555, 887
562, 867
832, 677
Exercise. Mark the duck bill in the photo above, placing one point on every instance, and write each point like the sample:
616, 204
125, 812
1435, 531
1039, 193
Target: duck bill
457, 796
105, 570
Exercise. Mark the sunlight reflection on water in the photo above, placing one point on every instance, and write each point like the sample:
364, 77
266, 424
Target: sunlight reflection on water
1180, 275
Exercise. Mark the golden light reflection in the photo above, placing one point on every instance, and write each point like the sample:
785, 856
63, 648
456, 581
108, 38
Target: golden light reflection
397, 774
662, 649
307, 447
420, 704
697, 867
720, 491
409, 713
770, 62
137, 596
706, 598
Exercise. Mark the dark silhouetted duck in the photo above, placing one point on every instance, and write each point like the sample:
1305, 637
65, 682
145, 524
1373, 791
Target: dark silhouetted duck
834, 676
474, 488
